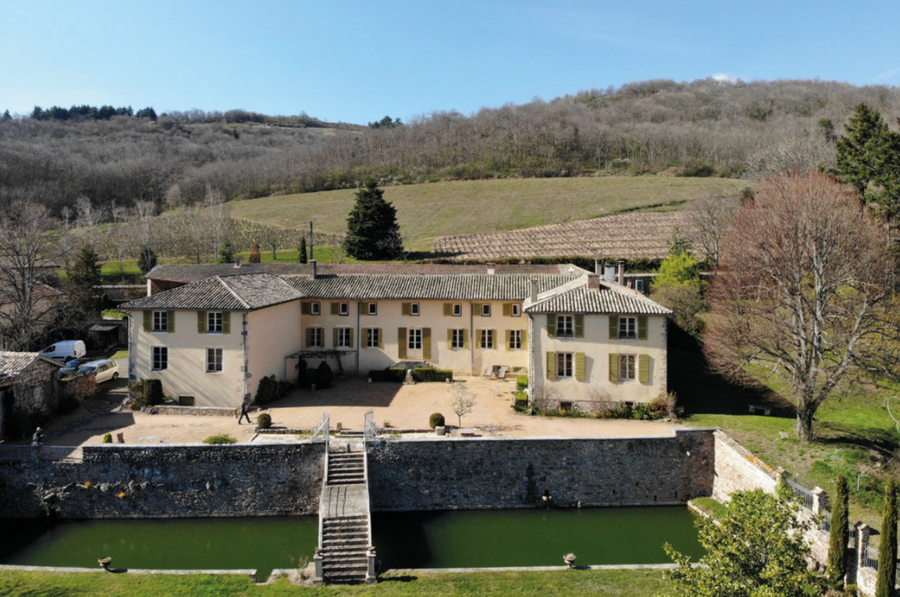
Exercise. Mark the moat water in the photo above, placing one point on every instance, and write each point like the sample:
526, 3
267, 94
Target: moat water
468, 538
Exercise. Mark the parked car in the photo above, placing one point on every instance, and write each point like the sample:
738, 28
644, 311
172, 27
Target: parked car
103, 370
65, 350
71, 367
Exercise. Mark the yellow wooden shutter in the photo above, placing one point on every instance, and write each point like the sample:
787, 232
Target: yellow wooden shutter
476, 309
507, 310
614, 368
551, 365
448, 309
305, 309
201, 322
406, 308
380, 338
466, 339
644, 368
148, 321
334, 337
335, 308
226, 322
551, 325
524, 339
614, 328
450, 338
401, 343
426, 343
508, 340
642, 327
579, 366
170, 322
579, 326
308, 337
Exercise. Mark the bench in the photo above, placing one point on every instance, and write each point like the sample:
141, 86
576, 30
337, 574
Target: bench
758, 408
467, 432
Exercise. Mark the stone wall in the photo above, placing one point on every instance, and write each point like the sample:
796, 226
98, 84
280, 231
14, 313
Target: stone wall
32, 399
444, 473
115, 481
737, 469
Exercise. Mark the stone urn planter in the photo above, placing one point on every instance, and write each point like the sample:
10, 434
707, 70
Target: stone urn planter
105, 563
440, 430
569, 559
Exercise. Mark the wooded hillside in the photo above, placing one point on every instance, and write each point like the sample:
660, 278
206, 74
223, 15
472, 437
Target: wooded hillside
701, 128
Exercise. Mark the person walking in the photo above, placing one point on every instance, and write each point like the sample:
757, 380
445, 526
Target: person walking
244, 405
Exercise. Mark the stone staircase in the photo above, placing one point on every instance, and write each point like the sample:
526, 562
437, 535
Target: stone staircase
346, 469
345, 540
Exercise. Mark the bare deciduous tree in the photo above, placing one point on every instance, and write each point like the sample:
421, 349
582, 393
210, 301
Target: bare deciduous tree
462, 402
708, 215
802, 282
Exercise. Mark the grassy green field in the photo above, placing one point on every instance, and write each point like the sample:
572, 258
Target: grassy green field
429, 211
574, 583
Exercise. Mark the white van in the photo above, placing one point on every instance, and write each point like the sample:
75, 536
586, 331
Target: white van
65, 350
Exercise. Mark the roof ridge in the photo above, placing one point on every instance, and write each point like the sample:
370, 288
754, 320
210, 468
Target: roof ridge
233, 293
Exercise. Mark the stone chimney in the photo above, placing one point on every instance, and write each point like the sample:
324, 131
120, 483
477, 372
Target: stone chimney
315, 266
622, 272
594, 282
597, 269
534, 291
609, 272
237, 262
491, 269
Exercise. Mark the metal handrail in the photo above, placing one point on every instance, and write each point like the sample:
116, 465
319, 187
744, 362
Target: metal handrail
324, 426
369, 434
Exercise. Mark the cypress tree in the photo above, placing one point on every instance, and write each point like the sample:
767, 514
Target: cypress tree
840, 534
301, 251
372, 229
887, 551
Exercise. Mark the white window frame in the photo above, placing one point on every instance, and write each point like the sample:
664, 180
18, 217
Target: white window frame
457, 309
628, 328
160, 321
565, 326
344, 309
565, 365
627, 367
372, 337
159, 353
485, 309
317, 337
458, 339
414, 309
343, 337
515, 339
486, 339
214, 322
315, 308
211, 363
414, 339
516, 310
639, 285
372, 308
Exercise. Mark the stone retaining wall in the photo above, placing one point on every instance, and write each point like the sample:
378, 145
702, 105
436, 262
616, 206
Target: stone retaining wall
738, 469
445, 473
177, 481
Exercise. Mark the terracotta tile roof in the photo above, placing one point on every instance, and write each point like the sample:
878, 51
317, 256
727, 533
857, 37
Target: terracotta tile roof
13, 363
461, 287
225, 293
192, 273
609, 298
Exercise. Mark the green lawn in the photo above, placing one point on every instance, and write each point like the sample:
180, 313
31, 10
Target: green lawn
428, 211
608, 583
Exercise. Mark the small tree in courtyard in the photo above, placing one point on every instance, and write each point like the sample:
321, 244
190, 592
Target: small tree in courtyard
840, 533
463, 402
372, 229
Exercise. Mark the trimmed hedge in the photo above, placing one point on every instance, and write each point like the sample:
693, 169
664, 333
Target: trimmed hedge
428, 374
397, 375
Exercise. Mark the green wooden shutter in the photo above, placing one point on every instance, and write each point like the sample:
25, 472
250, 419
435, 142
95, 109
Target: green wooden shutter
551, 325
401, 343
170, 322
448, 309
148, 321
335, 308
364, 308
305, 309
579, 326
507, 310
380, 338
334, 337
226, 322
551, 365
614, 328
426, 343
644, 368
614, 368
406, 308
579, 366
642, 327
201, 322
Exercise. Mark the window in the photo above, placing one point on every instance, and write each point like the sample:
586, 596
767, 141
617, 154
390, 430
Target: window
486, 339
314, 338
344, 309
515, 339
565, 326
563, 364
343, 338
414, 309
516, 310
213, 360
639, 285
628, 328
371, 308
315, 308
457, 310
414, 339
457, 339
214, 323
160, 321
626, 367
485, 310
159, 357
373, 338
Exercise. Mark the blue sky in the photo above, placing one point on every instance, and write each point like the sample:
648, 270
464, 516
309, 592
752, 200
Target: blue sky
356, 61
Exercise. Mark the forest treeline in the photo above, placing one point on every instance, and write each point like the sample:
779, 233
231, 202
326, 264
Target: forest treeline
700, 128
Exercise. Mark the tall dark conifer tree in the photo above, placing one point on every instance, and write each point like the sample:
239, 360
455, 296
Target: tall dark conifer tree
372, 230
840, 533
887, 550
